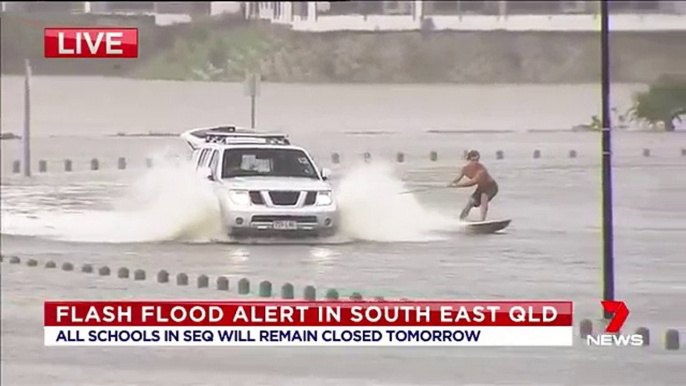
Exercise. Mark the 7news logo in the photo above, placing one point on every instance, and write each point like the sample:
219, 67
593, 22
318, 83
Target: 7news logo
612, 336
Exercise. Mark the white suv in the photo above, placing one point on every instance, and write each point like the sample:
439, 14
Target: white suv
265, 185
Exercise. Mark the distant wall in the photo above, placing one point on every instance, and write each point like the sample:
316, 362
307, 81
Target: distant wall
224, 49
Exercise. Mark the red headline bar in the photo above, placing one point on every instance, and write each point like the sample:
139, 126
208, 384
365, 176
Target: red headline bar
289, 313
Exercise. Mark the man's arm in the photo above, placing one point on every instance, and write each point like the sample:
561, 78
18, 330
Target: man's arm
470, 182
457, 179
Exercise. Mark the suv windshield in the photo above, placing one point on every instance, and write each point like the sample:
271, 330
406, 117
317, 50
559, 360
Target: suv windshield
267, 163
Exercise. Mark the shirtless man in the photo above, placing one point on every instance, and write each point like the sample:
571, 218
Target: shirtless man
486, 187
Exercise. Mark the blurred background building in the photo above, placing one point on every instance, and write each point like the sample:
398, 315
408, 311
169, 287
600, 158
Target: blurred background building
378, 15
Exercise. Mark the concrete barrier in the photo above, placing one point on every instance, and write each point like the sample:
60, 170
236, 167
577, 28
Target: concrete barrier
672, 339
123, 273
203, 281
32, 262
367, 157
335, 158
104, 271
182, 279
683, 152
433, 156
287, 291
585, 328
50, 264
265, 289
243, 286
42, 166
537, 154
139, 275
15, 260
572, 154
67, 165
499, 154
163, 276
222, 283
310, 293
645, 333
400, 157
646, 152
16, 167
95, 164
356, 296
148, 163
87, 268
121, 163
67, 266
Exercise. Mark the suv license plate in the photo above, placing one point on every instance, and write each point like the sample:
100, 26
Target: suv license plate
285, 225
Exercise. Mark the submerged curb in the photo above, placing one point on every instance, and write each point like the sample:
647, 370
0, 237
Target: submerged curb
670, 341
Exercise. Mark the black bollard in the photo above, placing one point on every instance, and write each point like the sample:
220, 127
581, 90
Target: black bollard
585, 328
433, 156
287, 291
243, 286
683, 152
332, 294
182, 279
645, 333
50, 264
15, 260
646, 152
203, 281
95, 164
163, 276
32, 262
537, 154
400, 157
672, 339
104, 271
310, 293
139, 274
572, 154
123, 273
121, 163
87, 268
67, 165
335, 158
16, 167
499, 154
265, 289
222, 283
67, 266
356, 296
42, 166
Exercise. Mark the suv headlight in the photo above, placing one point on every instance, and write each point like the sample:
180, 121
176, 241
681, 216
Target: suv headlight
240, 197
324, 198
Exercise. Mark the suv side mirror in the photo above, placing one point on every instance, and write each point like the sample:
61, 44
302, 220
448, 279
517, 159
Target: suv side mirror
207, 173
326, 173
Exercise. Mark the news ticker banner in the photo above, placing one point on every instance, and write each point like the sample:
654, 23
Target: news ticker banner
301, 323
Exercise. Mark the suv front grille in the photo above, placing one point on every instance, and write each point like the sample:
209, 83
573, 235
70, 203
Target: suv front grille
311, 198
284, 197
256, 197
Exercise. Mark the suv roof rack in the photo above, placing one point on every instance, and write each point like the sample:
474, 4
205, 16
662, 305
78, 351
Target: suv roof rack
232, 135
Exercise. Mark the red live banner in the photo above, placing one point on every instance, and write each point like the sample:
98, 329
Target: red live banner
303, 314
114, 43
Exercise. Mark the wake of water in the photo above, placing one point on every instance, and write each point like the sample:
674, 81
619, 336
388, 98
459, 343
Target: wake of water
172, 203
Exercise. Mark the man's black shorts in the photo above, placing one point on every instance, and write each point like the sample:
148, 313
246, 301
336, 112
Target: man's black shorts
491, 190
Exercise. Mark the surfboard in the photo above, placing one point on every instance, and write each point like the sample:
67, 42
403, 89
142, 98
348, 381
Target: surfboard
490, 226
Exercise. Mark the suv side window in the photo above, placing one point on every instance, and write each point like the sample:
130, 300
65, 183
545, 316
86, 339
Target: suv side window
213, 162
202, 158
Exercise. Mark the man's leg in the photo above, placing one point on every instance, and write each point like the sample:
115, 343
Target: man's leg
467, 209
484, 206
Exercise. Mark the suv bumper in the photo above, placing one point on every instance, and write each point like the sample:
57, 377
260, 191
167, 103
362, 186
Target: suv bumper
272, 222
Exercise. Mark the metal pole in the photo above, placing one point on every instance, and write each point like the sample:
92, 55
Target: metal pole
252, 111
27, 121
608, 249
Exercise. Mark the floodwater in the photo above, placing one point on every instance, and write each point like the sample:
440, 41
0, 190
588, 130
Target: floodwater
392, 244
